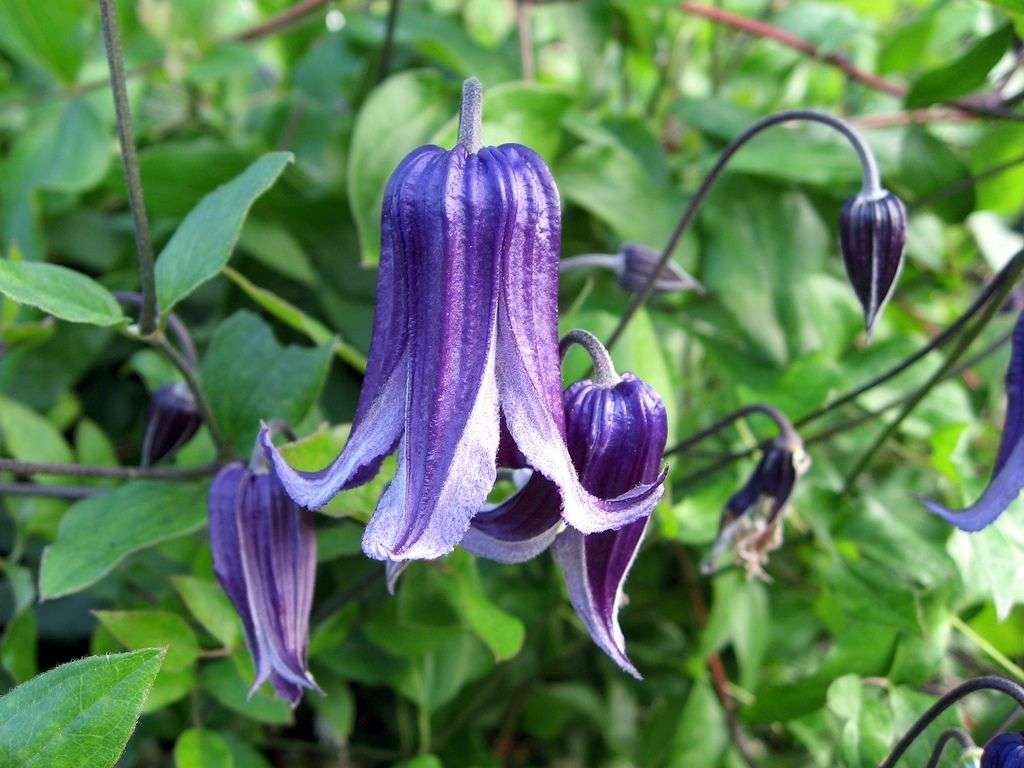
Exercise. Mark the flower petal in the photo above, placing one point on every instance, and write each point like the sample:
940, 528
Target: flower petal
223, 503
377, 425
519, 528
1013, 424
278, 548
446, 458
595, 569
528, 367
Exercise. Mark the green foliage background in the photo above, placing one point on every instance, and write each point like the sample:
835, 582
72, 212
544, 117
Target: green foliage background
873, 605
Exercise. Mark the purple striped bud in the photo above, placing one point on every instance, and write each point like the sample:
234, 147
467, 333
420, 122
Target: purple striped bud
173, 419
1004, 751
637, 263
872, 232
264, 555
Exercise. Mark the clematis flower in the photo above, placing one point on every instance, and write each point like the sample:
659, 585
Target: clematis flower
264, 555
1004, 751
465, 338
770, 486
173, 420
872, 233
633, 266
1008, 475
616, 431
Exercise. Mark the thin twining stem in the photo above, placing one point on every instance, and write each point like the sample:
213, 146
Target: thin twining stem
871, 185
989, 682
525, 35
786, 431
389, 40
27, 468
132, 179
965, 341
958, 735
590, 261
174, 324
1007, 275
605, 374
70, 492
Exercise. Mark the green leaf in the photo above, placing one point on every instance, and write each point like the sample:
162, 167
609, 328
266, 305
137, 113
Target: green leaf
154, 629
60, 292
18, 646
502, 632
931, 170
203, 242
169, 687
202, 748
51, 34
276, 248
963, 75
294, 317
993, 558
222, 681
211, 607
79, 714
30, 437
401, 114
97, 533
249, 377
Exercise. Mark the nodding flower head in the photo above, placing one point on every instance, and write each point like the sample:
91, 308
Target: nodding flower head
173, 419
769, 487
1004, 751
465, 338
264, 555
872, 233
616, 430
1008, 475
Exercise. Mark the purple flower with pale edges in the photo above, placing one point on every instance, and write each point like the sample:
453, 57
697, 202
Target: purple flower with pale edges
465, 338
1008, 475
872, 233
264, 555
616, 436
173, 420
1004, 751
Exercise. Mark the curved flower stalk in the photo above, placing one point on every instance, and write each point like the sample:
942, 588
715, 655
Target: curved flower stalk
633, 265
264, 555
872, 226
768, 490
465, 337
1004, 751
1008, 475
616, 431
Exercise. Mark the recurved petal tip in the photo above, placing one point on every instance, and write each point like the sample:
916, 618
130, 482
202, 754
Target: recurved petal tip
872, 233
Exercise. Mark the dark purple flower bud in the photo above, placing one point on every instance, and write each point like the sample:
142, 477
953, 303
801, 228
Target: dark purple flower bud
1004, 751
616, 436
173, 419
872, 232
1008, 475
637, 263
264, 555
770, 487
465, 333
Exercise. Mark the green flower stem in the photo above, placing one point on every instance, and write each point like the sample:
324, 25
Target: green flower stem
132, 179
870, 184
389, 41
1012, 272
987, 648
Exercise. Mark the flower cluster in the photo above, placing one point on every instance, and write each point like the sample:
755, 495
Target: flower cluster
464, 378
